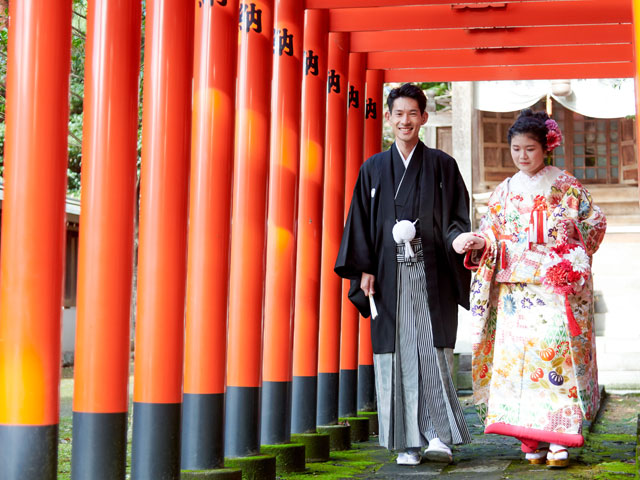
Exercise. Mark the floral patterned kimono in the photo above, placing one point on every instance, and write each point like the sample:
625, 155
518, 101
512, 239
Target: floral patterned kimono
531, 379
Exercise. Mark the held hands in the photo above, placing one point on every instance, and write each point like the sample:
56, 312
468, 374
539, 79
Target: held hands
366, 283
465, 242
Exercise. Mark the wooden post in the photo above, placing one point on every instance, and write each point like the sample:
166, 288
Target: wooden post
372, 145
105, 255
348, 405
332, 225
162, 247
309, 241
246, 283
213, 125
281, 222
636, 44
33, 229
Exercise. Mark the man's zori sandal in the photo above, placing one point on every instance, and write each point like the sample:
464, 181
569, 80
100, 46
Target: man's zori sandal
437, 451
409, 458
538, 457
558, 458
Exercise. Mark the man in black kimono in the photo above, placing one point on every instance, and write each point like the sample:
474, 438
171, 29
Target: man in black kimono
416, 283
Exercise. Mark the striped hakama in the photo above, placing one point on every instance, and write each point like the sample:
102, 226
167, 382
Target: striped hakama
416, 397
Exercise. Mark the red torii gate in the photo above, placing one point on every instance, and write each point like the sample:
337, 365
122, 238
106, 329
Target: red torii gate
403, 40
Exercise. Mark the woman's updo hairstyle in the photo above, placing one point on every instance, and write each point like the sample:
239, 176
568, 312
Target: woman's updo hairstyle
530, 123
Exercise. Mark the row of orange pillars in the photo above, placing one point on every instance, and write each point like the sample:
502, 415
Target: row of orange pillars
254, 120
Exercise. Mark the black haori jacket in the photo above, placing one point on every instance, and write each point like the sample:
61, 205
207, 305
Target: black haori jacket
368, 245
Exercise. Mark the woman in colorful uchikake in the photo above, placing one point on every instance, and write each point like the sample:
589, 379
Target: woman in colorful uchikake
534, 359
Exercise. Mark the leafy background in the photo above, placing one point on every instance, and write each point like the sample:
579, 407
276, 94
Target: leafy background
76, 91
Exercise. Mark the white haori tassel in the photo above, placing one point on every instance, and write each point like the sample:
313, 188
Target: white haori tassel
403, 232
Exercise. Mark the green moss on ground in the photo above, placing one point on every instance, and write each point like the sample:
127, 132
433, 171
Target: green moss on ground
608, 448
66, 427
217, 474
255, 467
342, 464
609, 452
64, 449
616, 467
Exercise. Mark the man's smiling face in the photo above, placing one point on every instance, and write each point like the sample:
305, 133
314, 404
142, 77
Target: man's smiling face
406, 119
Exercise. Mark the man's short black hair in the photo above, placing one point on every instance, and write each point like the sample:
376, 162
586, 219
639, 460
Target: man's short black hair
407, 90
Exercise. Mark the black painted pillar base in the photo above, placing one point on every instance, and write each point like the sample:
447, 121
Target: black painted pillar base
290, 457
155, 449
202, 431
339, 436
366, 388
276, 413
242, 422
28, 452
348, 401
316, 445
328, 386
99, 449
304, 391
359, 428
373, 421
256, 467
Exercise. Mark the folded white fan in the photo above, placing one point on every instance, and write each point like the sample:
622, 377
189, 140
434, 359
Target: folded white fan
372, 306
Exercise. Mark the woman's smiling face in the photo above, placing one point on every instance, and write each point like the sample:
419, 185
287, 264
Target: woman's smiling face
527, 154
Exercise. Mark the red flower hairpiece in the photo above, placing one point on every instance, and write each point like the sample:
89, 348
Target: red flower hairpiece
554, 135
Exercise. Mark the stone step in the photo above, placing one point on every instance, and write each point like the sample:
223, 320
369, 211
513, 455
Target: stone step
617, 346
620, 220
612, 379
613, 193
620, 208
618, 361
620, 203
624, 380
615, 370
617, 219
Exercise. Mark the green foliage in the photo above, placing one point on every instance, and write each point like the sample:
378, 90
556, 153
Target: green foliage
76, 93
3, 86
438, 88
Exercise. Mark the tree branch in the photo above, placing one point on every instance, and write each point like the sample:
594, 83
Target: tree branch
78, 141
79, 14
79, 32
80, 97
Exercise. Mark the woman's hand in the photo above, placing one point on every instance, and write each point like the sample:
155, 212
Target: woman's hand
567, 231
366, 283
468, 241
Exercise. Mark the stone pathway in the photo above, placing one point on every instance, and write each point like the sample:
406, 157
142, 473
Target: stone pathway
609, 453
